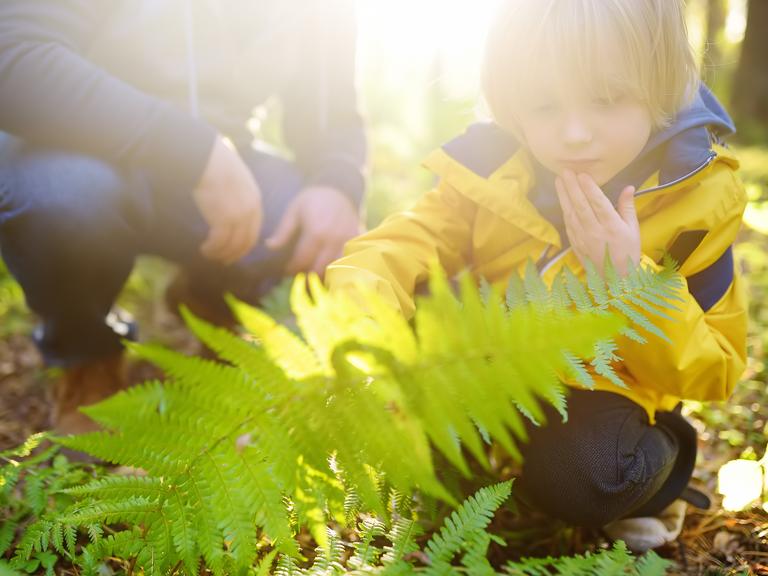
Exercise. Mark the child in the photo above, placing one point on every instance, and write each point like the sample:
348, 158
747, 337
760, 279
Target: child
603, 139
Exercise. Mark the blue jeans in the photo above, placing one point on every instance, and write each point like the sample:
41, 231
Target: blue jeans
71, 227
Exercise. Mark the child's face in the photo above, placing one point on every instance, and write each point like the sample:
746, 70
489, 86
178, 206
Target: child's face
572, 129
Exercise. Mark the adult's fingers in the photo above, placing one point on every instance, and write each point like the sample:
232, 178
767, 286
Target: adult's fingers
240, 242
324, 257
251, 230
217, 245
286, 228
303, 255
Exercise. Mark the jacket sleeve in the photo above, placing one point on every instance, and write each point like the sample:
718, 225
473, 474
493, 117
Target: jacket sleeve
707, 353
394, 258
321, 121
51, 95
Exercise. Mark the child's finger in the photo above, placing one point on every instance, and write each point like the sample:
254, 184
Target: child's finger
578, 200
627, 209
601, 206
573, 228
565, 203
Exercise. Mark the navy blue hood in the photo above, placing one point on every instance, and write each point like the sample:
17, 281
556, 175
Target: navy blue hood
681, 148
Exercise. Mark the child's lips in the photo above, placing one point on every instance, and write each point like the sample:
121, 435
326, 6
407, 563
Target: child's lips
579, 165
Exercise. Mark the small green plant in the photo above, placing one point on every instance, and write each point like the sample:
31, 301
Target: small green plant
33, 483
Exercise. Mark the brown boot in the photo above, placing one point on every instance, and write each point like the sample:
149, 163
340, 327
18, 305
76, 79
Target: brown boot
83, 385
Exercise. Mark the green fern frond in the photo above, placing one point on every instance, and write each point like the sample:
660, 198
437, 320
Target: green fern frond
329, 558
183, 529
536, 290
288, 350
515, 294
463, 525
25, 449
605, 355
132, 509
7, 533
618, 561
577, 292
638, 318
367, 387
475, 560
402, 536
287, 566
652, 565
598, 289
366, 555
125, 544
120, 487
577, 370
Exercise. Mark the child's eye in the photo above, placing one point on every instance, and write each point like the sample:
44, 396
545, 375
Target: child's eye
607, 102
546, 108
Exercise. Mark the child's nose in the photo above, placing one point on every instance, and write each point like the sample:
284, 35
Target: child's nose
576, 130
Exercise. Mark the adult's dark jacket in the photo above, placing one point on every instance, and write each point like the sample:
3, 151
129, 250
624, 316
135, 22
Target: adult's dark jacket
147, 83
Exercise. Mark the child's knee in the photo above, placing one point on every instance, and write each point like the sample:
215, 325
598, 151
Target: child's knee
593, 483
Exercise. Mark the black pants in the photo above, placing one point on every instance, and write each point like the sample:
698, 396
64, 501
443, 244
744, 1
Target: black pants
607, 461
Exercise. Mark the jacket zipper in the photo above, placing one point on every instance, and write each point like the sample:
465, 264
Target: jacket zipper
698, 169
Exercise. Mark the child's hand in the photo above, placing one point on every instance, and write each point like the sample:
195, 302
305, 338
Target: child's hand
594, 225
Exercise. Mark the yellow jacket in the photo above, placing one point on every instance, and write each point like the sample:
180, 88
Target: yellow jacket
481, 217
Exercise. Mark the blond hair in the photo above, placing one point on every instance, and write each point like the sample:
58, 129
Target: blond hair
578, 40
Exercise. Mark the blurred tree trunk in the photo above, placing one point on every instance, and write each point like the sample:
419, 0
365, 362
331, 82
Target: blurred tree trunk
716, 14
750, 90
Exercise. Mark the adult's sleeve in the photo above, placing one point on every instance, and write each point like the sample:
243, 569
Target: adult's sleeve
51, 95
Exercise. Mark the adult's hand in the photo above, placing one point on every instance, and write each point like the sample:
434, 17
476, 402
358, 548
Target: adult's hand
230, 201
324, 219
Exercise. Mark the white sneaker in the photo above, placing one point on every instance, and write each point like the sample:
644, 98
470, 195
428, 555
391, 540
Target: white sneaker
644, 533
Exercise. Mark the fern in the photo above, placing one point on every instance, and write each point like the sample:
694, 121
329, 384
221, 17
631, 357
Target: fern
617, 561
402, 536
366, 555
467, 524
151, 546
237, 451
638, 297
